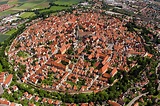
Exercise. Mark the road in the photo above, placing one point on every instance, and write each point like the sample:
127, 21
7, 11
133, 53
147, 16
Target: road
135, 99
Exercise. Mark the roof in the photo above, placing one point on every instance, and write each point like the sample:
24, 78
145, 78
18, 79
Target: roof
8, 79
106, 75
104, 68
113, 103
114, 71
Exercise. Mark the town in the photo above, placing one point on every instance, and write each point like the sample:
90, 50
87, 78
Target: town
74, 53
92, 53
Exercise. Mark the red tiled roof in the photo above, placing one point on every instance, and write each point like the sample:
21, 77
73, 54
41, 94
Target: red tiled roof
8, 79
104, 68
114, 71
112, 103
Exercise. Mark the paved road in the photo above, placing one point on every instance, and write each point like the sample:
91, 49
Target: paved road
135, 99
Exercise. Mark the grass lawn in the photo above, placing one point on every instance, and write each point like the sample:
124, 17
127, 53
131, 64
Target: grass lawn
41, 5
7, 12
27, 14
54, 8
12, 31
25, 6
23, 54
136, 29
1, 68
3, 37
67, 2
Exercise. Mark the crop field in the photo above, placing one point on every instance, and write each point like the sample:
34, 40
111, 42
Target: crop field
3, 37
67, 2
12, 31
20, 5
54, 8
27, 14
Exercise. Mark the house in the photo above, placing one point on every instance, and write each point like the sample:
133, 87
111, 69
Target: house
15, 88
44, 100
8, 81
31, 104
136, 104
84, 104
114, 71
104, 68
4, 102
29, 97
36, 98
25, 94
148, 55
2, 77
106, 75
105, 60
113, 103
57, 103
59, 65
50, 101
13, 104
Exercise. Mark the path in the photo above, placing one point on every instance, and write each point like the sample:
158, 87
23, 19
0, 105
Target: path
135, 99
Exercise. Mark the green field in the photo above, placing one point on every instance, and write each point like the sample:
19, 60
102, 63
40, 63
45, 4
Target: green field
1, 68
3, 37
20, 5
67, 2
23, 54
7, 12
27, 14
12, 31
54, 8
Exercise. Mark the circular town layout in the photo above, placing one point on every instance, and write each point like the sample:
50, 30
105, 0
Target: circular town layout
78, 52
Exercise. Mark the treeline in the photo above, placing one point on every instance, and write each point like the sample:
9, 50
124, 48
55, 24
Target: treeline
6, 43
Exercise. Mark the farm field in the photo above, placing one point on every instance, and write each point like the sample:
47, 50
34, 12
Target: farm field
3, 37
20, 5
54, 8
67, 2
27, 14
7, 12
11, 32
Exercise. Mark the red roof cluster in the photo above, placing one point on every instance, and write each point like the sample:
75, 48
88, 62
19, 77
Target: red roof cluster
76, 48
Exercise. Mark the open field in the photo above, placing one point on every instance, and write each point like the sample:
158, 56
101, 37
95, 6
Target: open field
3, 37
54, 8
0, 67
11, 32
7, 12
27, 14
67, 2
20, 5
